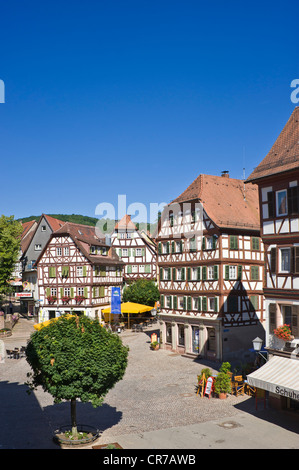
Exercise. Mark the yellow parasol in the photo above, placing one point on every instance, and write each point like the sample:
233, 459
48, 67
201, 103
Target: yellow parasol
38, 326
130, 307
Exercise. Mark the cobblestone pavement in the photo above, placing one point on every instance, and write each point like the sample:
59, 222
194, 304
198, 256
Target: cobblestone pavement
157, 392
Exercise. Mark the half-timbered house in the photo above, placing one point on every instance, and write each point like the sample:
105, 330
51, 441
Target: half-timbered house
210, 262
137, 250
76, 271
277, 177
32, 245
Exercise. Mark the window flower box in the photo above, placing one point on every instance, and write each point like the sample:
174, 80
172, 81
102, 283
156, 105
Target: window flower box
51, 299
79, 298
65, 299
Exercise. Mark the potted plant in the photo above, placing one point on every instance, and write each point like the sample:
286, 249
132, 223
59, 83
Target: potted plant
155, 346
65, 299
225, 367
284, 332
222, 385
206, 372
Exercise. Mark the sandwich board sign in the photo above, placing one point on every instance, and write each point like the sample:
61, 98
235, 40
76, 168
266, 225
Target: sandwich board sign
209, 386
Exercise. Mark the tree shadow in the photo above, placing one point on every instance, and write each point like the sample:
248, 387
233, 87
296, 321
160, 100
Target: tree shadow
25, 424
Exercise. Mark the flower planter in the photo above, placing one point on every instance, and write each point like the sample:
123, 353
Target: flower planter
5, 332
86, 434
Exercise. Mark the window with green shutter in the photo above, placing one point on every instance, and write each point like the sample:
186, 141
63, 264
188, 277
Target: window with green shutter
203, 246
52, 271
232, 303
204, 304
216, 272
255, 242
226, 272
254, 302
174, 274
254, 273
162, 301
204, 273
184, 303
65, 271
189, 274
102, 291
199, 304
48, 292
233, 242
159, 248
147, 268
183, 274
103, 271
172, 247
215, 304
84, 271
189, 303
239, 273
198, 273
175, 302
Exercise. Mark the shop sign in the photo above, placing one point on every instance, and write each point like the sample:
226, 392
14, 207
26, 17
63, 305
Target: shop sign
24, 294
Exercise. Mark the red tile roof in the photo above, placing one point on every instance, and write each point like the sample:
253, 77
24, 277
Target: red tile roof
125, 223
85, 236
224, 202
284, 155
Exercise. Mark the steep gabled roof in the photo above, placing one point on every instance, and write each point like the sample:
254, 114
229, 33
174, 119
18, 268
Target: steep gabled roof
284, 155
225, 200
27, 234
85, 236
55, 224
126, 223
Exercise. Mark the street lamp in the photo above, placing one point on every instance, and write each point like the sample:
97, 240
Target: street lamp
257, 346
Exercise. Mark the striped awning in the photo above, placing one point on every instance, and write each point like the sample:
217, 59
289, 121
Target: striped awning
279, 375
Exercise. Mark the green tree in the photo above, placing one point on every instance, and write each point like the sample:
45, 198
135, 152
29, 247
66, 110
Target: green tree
10, 232
142, 291
74, 357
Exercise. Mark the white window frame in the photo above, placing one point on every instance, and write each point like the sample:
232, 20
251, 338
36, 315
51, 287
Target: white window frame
54, 291
80, 290
125, 252
278, 213
210, 273
211, 304
194, 274
66, 251
179, 274
79, 271
233, 272
281, 262
59, 251
138, 251
37, 247
181, 302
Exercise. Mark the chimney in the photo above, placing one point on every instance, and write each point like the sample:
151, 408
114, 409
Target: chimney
225, 174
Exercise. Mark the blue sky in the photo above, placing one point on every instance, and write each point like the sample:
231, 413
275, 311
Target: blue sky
137, 97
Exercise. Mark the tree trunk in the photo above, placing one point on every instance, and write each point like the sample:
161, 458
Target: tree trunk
74, 417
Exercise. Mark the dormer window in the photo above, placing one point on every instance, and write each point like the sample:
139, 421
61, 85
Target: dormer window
93, 250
